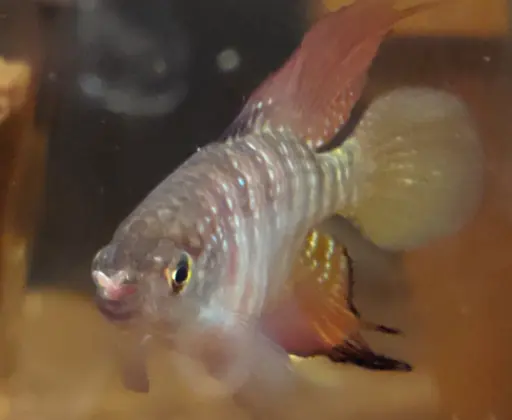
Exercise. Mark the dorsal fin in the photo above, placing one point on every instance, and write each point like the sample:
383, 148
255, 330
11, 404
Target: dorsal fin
314, 92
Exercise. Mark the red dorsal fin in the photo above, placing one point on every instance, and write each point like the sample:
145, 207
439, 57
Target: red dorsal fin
314, 92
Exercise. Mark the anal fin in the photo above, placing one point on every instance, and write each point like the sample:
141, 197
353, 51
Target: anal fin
318, 317
370, 326
357, 352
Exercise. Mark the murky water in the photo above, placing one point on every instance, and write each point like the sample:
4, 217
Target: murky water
451, 298
22, 155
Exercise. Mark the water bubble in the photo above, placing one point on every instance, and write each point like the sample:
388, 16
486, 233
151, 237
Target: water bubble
228, 60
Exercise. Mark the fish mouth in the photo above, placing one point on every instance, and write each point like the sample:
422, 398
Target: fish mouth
115, 310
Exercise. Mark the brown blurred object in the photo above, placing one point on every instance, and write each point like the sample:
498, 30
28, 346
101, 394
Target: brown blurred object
22, 155
477, 18
14, 83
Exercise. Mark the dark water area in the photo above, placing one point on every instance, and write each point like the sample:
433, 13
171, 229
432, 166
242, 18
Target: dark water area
102, 163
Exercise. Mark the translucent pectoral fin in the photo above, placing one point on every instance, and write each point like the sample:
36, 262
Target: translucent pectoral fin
133, 367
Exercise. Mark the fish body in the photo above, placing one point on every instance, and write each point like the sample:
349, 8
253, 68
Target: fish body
223, 241
234, 207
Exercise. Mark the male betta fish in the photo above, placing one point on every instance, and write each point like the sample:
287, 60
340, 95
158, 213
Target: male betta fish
225, 245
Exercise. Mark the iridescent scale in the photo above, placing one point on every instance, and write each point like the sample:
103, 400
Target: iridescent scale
248, 204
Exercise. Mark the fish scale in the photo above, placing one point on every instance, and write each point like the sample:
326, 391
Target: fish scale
309, 190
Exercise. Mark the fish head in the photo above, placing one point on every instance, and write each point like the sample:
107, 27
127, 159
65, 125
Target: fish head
155, 279
171, 290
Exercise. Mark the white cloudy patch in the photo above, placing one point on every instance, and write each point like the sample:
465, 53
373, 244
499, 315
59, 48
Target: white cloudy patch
228, 60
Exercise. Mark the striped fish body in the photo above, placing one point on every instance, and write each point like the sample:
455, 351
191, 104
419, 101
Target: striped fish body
221, 243
242, 210
232, 218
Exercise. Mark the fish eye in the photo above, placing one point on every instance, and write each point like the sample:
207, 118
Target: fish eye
178, 276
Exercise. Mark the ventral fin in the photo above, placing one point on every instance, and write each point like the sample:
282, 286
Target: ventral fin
133, 365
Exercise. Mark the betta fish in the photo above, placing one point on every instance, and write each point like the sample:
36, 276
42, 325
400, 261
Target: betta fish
223, 248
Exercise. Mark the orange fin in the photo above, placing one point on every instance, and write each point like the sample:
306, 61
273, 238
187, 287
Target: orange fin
314, 92
321, 287
316, 316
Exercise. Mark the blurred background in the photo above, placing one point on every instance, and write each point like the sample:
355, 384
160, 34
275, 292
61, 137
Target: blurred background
101, 99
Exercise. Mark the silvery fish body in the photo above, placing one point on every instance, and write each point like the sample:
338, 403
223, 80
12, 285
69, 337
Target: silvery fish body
241, 209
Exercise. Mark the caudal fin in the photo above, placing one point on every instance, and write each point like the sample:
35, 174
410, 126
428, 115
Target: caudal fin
425, 172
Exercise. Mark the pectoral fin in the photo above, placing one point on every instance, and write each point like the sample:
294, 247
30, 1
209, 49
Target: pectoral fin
133, 368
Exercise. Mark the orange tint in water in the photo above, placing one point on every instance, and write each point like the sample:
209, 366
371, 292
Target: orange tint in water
452, 298
22, 152
462, 290
461, 286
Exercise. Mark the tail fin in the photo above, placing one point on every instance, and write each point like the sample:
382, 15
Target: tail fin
314, 92
427, 170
